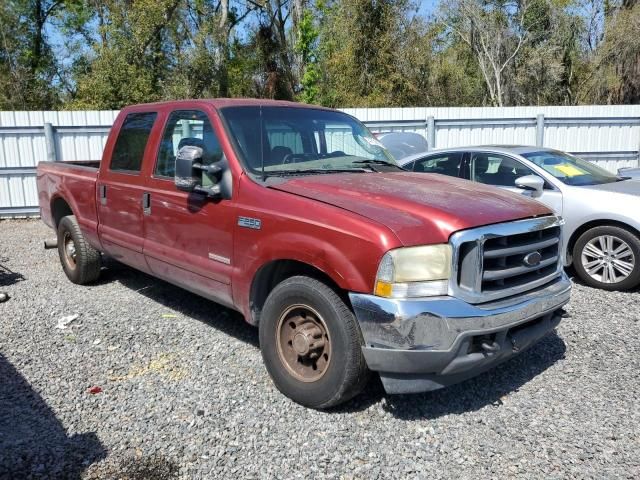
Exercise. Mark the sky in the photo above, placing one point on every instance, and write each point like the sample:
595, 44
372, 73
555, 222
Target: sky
427, 6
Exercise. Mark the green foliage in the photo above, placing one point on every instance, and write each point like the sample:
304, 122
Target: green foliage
130, 62
307, 47
616, 76
359, 43
104, 54
28, 70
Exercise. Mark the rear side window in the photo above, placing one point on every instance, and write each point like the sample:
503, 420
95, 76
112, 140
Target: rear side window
132, 140
445, 164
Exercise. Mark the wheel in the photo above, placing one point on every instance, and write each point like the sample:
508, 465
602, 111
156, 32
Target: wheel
608, 257
80, 261
311, 344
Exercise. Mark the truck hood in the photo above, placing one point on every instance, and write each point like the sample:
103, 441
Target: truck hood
418, 208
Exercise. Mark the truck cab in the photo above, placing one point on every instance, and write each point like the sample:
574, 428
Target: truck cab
297, 217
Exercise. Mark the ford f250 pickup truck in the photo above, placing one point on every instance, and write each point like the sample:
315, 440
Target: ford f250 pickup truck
297, 217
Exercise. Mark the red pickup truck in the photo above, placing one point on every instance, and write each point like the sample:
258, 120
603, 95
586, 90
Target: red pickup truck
297, 217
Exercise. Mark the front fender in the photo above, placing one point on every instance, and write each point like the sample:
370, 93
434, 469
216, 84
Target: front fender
352, 269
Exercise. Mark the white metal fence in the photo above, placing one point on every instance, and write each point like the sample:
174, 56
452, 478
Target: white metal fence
607, 135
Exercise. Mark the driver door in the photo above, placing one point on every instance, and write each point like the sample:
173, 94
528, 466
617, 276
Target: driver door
502, 171
188, 237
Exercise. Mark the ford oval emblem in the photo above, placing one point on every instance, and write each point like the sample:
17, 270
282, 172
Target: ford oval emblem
532, 259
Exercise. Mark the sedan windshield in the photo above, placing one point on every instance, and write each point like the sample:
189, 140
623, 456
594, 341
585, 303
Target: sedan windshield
282, 141
569, 169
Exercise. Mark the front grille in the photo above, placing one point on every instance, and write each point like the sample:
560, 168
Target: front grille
506, 259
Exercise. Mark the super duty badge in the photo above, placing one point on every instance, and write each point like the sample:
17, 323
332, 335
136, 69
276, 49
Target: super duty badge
249, 222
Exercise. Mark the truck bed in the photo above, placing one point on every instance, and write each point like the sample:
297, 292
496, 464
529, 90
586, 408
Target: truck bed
94, 164
76, 183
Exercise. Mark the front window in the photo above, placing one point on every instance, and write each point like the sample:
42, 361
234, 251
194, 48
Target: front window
495, 169
187, 128
290, 140
569, 169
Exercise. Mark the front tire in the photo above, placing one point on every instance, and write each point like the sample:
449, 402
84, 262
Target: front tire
608, 258
80, 261
311, 344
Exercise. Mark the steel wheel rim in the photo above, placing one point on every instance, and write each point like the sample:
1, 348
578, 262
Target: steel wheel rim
69, 247
608, 259
304, 344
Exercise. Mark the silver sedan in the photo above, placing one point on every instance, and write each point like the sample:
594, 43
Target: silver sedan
602, 210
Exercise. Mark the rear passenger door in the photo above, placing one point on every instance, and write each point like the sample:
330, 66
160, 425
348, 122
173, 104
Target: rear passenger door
120, 189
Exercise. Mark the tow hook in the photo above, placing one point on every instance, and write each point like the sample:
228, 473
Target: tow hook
563, 313
50, 244
514, 344
490, 347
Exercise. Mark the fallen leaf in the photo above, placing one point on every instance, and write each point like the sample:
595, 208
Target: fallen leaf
64, 322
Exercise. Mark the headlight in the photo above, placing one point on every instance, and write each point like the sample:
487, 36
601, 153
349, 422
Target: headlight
414, 272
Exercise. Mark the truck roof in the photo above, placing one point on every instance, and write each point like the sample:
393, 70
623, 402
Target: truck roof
230, 102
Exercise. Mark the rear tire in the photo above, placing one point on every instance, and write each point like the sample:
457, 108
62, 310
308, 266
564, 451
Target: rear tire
311, 344
80, 261
608, 258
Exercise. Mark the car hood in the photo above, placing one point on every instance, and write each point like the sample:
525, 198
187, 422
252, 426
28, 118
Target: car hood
624, 187
418, 208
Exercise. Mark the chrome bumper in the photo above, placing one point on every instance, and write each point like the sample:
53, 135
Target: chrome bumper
427, 343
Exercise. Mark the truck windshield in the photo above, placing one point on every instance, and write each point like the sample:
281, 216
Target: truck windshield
297, 141
569, 169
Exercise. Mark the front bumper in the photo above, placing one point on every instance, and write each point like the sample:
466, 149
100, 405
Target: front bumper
424, 344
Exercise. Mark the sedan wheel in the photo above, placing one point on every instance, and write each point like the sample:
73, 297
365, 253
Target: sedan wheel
608, 257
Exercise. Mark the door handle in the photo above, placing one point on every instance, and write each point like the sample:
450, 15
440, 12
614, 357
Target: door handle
146, 203
102, 194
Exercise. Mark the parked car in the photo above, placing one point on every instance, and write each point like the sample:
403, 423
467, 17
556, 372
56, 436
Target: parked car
297, 217
600, 209
629, 172
403, 144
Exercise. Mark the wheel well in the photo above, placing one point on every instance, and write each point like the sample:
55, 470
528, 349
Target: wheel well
59, 209
271, 274
596, 223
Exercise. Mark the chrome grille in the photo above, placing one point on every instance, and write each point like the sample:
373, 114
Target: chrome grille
505, 259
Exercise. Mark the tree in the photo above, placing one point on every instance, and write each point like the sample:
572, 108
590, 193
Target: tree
616, 76
130, 57
28, 68
205, 48
360, 41
307, 52
495, 30
547, 68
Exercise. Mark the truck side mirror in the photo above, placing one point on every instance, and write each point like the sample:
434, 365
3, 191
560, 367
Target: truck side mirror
186, 178
189, 170
532, 183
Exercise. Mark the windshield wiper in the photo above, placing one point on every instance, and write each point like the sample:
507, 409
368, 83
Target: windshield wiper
376, 162
312, 171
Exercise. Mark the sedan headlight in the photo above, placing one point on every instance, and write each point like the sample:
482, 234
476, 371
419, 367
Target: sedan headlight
414, 272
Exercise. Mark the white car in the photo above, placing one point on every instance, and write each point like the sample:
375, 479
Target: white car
629, 172
601, 210
402, 144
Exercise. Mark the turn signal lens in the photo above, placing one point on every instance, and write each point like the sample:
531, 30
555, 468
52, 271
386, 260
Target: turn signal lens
383, 289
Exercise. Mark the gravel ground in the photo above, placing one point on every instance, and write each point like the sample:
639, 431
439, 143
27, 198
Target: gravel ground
185, 394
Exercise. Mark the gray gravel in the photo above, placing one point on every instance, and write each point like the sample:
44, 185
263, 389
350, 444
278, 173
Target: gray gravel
185, 394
